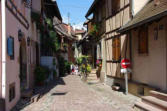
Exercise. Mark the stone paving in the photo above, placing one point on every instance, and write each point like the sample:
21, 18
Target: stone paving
75, 95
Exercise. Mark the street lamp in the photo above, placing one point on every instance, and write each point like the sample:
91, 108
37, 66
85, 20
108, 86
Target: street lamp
20, 35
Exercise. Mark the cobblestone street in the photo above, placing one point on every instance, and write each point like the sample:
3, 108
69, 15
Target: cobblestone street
75, 95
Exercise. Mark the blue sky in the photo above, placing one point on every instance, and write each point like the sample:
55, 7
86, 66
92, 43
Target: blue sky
77, 10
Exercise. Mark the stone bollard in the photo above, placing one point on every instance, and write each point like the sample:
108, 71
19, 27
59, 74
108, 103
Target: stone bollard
2, 104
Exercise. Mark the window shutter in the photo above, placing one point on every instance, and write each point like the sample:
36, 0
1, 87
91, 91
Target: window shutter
114, 49
118, 48
10, 46
143, 40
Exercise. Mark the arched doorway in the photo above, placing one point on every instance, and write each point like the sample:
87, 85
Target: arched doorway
23, 65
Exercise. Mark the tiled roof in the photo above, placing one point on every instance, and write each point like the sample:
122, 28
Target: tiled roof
78, 31
61, 28
149, 13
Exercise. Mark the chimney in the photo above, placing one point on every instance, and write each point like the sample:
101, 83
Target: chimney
69, 29
156, 2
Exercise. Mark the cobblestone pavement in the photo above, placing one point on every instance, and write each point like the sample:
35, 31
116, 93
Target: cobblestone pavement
118, 100
74, 95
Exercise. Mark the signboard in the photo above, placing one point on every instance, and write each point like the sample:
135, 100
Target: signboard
125, 63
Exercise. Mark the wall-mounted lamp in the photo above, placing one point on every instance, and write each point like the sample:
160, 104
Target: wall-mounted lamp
20, 35
28, 41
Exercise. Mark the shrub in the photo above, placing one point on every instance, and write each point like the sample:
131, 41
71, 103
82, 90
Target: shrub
41, 73
88, 68
67, 67
64, 66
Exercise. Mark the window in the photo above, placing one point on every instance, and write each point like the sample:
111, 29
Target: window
115, 6
10, 47
116, 49
11, 92
143, 40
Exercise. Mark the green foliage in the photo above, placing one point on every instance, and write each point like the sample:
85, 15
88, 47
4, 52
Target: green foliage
67, 66
81, 60
88, 68
54, 73
49, 22
54, 43
35, 16
94, 30
54, 61
83, 63
52, 34
64, 66
85, 68
51, 39
41, 73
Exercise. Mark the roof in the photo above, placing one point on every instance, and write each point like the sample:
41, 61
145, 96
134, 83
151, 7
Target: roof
149, 13
92, 8
88, 21
78, 31
59, 27
66, 26
52, 9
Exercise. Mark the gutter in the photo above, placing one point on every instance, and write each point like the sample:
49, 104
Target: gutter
3, 15
155, 17
91, 8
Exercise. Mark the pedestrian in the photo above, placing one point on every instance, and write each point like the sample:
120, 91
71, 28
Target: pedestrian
72, 69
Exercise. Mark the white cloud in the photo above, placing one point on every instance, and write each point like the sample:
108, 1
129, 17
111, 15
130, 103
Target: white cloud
79, 26
75, 26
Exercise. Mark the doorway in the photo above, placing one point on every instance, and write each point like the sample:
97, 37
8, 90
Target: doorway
23, 66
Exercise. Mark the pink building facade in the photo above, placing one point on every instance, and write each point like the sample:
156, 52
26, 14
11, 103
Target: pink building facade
19, 40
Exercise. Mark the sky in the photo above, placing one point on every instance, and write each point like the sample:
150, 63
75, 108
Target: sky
76, 9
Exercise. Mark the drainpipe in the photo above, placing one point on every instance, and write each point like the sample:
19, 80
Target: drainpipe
132, 8
3, 15
130, 46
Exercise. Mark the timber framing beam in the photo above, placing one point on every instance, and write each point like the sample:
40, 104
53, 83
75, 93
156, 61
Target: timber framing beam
17, 14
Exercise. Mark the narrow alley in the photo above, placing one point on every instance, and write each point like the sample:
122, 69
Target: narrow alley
72, 94
83, 55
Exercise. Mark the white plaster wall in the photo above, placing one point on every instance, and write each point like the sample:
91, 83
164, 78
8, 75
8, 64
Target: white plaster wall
138, 5
36, 5
151, 68
12, 66
48, 62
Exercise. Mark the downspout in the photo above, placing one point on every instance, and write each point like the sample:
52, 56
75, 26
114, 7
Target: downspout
3, 12
132, 9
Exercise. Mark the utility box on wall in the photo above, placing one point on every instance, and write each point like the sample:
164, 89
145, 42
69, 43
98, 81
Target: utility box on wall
2, 104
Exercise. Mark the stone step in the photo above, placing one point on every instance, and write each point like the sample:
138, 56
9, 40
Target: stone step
92, 74
159, 95
92, 77
155, 102
94, 71
93, 81
146, 107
